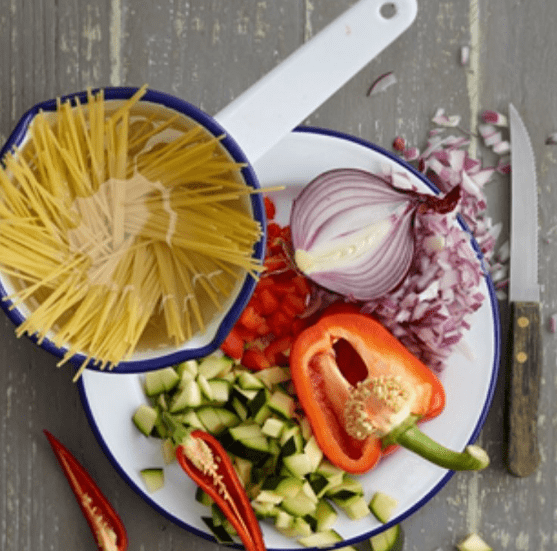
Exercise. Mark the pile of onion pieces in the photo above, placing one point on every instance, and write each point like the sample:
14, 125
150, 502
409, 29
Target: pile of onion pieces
430, 311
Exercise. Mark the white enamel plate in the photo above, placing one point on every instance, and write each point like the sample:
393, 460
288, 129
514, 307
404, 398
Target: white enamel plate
469, 379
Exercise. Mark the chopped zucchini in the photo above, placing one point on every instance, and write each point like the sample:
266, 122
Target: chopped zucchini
205, 387
220, 390
273, 427
314, 451
189, 367
391, 539
189, 396
301, 527
244, 431
299, 464
243, 469
382, 506
473, 542
248, 381
273, 376
145, 418
347, 488
298, 505
214, 366
325, 516
355, 506
153, 478
216, 420
219, 531
322, 539
282, 403
160, 380
201, 496
168, 451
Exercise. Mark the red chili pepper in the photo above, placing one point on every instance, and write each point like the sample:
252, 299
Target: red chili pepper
363, 392
106, 525
204, 459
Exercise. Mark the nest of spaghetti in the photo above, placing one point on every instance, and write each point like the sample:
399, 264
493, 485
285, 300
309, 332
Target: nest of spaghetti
122, 227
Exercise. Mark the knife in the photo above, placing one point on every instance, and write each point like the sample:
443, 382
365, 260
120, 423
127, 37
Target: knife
524, 300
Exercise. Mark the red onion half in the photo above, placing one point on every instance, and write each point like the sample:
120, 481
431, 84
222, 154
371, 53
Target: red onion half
352, 231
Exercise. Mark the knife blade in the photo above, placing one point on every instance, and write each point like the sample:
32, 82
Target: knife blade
524, 300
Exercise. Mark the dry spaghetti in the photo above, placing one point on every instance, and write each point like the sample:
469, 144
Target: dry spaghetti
115, 221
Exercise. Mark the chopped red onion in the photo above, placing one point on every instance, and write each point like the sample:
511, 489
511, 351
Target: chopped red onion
465, 55
399, 144
443, 120
382, 83
411, 154
487, 130
493, 139
502, 148
504, 165
429, 311
493, 117
504, 252
553, 323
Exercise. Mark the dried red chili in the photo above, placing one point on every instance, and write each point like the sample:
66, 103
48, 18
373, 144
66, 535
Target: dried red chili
204, 459
106, 525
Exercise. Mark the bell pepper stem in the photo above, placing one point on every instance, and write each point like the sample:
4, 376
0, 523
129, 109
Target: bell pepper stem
409, 436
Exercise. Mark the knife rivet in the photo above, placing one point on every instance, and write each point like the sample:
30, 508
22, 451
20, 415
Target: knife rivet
521, 357
523, 321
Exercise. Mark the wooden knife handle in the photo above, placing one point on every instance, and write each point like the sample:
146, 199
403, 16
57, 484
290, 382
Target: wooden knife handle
523, 390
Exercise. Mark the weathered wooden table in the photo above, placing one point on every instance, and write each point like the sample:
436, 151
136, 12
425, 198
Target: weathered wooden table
209, 51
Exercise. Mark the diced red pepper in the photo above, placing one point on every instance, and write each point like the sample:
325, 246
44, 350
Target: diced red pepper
269, 302
302, 285
250, 318
276, 349
272, 313
270, 209
280, 323
273, 231
254, 358
247, 335
275, 263
295, 302
285, 288
233, 345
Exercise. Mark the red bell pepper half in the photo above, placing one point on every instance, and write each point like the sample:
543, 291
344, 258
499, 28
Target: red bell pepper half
206, 462
364, 392
106, 525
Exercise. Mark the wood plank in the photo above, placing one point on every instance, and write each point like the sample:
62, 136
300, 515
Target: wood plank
208, 52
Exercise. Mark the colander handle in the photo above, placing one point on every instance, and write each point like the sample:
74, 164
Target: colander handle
295, 88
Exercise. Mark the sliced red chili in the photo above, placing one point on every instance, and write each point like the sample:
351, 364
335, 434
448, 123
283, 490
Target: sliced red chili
204, 459
106, 525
